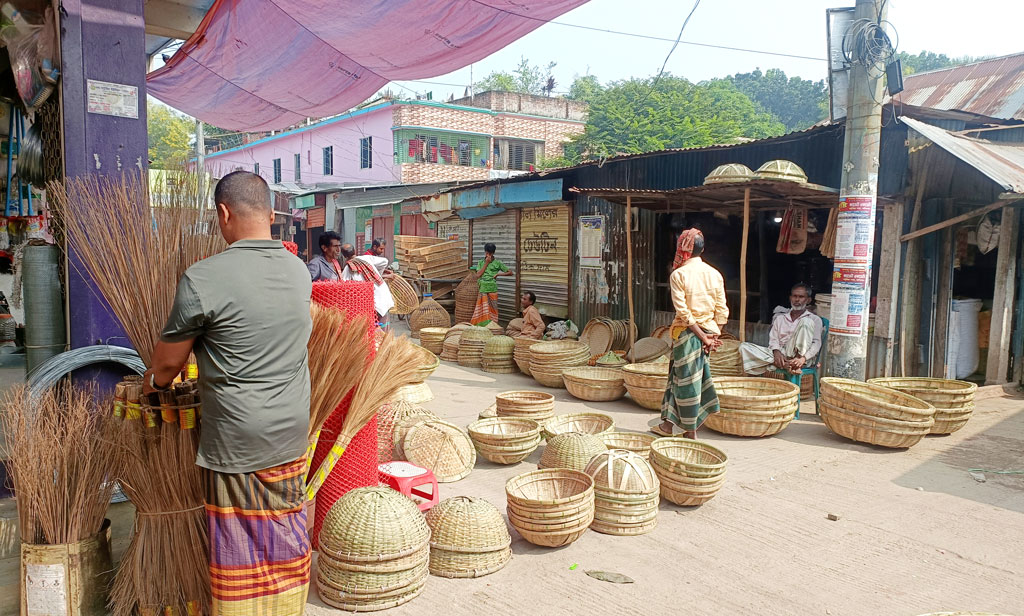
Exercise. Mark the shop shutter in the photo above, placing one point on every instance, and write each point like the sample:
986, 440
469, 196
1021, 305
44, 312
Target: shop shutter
544, 257
500, 230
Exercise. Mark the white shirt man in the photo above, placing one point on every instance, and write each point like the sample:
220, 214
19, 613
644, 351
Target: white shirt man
383, 301
794, 340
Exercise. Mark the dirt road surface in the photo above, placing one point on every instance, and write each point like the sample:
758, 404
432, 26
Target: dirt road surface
916, 532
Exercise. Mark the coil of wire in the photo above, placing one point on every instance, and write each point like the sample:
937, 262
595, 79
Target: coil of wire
53, 369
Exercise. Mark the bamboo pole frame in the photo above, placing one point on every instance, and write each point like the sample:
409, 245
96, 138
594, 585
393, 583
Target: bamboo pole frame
743, 266
629, 270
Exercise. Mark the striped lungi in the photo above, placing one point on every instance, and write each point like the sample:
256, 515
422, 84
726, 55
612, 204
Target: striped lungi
486, 309
259, 547
690, 396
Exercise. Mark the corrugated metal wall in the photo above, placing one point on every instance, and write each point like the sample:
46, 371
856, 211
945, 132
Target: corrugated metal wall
544, 257
500, 230
457, 229
602, 292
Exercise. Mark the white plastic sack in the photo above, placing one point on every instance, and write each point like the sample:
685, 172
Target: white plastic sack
965, 312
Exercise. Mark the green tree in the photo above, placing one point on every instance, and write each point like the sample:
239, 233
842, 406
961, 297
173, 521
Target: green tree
931, 61
526, 79
585, 88
798, 103
170, 136
641, 115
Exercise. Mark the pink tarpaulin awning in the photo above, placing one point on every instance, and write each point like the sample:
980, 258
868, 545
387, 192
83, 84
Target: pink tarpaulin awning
269, 64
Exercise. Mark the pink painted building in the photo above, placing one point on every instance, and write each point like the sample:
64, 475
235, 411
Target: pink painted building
412, 142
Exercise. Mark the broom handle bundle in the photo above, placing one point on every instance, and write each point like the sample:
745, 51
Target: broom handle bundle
309, 452
337, 450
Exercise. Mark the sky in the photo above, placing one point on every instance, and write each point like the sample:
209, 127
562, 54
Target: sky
991, 28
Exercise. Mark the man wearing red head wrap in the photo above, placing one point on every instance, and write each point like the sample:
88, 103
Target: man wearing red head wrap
698, 296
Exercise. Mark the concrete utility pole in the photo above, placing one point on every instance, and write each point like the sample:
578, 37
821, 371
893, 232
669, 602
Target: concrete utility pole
855, 232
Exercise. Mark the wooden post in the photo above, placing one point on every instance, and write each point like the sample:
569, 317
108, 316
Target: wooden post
765, 307
889, 283
743, 265
1002, 304
629, 269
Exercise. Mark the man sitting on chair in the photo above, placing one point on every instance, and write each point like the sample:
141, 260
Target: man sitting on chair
794, 341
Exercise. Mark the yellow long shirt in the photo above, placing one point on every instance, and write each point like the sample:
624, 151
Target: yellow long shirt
698, 295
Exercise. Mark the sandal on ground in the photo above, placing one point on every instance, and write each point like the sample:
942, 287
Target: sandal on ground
657, 430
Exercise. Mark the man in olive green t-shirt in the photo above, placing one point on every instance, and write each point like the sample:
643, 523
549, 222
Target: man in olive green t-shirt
245, 313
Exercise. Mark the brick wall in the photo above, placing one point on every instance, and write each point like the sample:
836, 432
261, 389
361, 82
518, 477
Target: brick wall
425, 173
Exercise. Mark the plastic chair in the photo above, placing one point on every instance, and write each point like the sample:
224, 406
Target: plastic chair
813, 370
408, 479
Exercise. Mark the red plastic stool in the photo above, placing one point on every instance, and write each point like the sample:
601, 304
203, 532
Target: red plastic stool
407, 479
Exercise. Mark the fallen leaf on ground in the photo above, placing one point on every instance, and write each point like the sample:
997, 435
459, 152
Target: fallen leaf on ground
609, 576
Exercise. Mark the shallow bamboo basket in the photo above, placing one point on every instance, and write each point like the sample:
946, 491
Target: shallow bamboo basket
647, 397
523, 402
505, 440
572, 450
646, 376
630, 441
594, 384
551, 507
678, 490
626, 493
432, 339
953, 400
508, 454
586, 423
417, 393
549, 359
872, 429
752, 406
875, 400
690, 457
430, 363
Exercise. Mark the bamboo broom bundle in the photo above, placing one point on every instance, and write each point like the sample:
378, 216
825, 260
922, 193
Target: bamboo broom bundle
62, 459
337, 358
395, 365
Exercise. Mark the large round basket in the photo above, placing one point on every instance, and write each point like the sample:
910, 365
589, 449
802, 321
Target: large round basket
598, 336
646, 376
636, 442
594, 384
521, 353
505, 440
726, 360
432, 339
691, 472
468, 538
752, 406
390, 416
587, 423
498, 355
551, 507
549, 359
430, 363
571, 450
428, 314
875, 400
417, 393
450, 348
374, 551
626, 491
535, 405
441, 447
871, 429
406, 297
647, 350
953, 400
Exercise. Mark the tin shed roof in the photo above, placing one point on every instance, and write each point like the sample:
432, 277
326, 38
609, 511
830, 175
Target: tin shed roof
992, 88
1001, 162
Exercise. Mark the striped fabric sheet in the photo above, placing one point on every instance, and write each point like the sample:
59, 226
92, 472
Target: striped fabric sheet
259, 547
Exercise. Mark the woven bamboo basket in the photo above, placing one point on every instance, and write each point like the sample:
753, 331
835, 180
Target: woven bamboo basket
432, 339
402, 427
373, 550
443, 448
726, 360
498, 355
875, 400
505, 440
647, 350
406, 297
953, 400
471, 352
753, 406
597, 424
872, 429
430, 363
521, 353
389, 418
487, 413
468, 538
647, 376
691, 472
428, 314
598, 336
515, 327
647, 397
496, 330
630, 441
416, 393
456, 329
450, 348
552, 507
465, 298
521, 403
594, 384
549, 359
476, 334
572, 450
627, 493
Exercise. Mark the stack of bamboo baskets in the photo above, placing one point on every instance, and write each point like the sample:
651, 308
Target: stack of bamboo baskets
752, 406
602, 335
498, 355
505, 440
874, 414
374, 551
450, 347
571, 450
534, 405
646, 383
471, 346
626, 493
726, 360
953, 400
468, 538
691, 472
594, 384
552, 507
432, 339
549, 359
521, 353
587, 423
419, 392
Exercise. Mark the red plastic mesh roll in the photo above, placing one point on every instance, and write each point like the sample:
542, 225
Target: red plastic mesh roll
357, 468
292, 247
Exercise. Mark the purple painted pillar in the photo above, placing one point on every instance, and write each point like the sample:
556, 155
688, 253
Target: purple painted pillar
101, 41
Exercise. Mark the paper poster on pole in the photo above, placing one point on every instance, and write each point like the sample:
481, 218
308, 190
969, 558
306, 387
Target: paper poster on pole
851, 268
591, 241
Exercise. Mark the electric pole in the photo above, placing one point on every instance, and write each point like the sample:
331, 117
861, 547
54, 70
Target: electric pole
855, 230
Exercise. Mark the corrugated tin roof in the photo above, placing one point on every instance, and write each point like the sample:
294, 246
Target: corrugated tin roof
1002, 162
992, 88
763, 194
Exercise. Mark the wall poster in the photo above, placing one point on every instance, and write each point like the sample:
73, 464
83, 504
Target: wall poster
851, 268
591, 241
